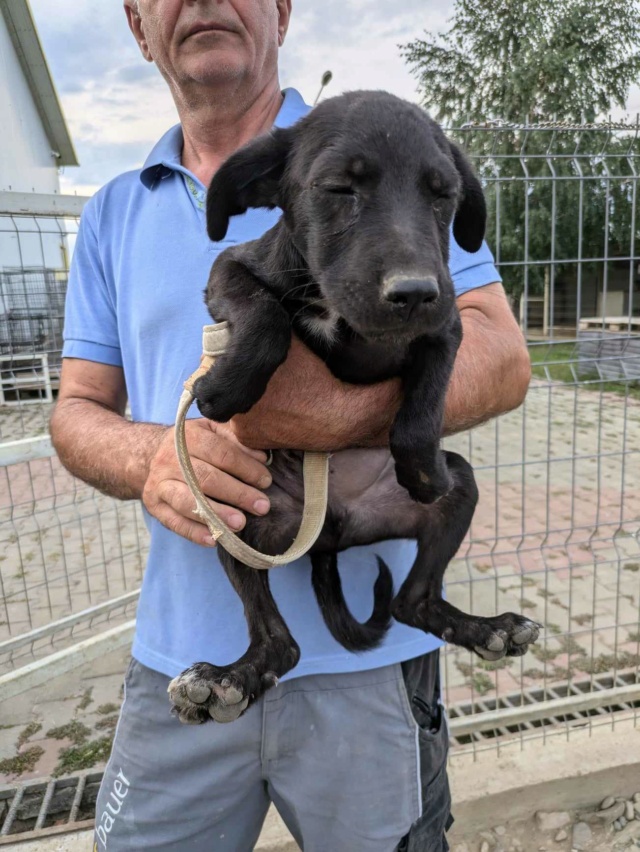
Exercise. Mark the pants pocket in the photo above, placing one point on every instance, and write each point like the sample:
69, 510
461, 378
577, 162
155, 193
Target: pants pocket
428, 834
422, 694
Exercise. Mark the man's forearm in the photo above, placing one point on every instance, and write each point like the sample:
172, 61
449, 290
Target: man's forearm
102, 448
490, 376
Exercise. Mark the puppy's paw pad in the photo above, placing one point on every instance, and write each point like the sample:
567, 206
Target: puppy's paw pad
511, 636
205, 692
228, 712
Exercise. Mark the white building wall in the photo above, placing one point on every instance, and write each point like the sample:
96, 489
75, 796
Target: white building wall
26, 163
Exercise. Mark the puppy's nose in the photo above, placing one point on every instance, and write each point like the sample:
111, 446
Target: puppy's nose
409, 293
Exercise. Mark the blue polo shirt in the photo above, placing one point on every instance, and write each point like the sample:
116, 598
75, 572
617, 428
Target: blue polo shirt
140, 265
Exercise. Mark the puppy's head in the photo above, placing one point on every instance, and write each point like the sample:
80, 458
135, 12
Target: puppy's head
370, 188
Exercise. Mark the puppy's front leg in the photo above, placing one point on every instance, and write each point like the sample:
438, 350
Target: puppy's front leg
415, 435
260, 337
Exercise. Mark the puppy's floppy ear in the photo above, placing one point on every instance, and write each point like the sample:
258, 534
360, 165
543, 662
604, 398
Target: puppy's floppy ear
249, 178
470, 221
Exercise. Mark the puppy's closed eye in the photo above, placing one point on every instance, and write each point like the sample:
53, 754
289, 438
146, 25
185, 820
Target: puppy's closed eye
334, 189
341, 190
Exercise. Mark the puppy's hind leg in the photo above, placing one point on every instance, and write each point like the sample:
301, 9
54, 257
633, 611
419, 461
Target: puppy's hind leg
419, 602
223, 693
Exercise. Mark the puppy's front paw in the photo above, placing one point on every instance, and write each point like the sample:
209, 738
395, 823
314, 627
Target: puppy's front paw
214, 411
214, 405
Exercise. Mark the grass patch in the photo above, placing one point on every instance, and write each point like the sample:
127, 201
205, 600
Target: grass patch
482, 683
31, 729
479, 680
25, 762
106, 709
545, 655
534, 674
83, 756
86, 699
571, 647
548, 355
608, 662
107, 724
495, 665
550, 364
74, 731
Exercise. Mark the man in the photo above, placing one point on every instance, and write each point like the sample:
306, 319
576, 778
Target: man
351, 749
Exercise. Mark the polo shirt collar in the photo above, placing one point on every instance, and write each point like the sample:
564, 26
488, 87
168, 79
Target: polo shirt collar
166, 154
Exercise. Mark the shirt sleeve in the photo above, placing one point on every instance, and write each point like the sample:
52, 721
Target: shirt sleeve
90, 318
470, 271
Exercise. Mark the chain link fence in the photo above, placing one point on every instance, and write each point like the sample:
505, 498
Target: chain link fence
556, 533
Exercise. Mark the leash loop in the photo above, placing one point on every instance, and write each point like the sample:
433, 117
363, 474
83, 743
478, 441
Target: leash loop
315, 473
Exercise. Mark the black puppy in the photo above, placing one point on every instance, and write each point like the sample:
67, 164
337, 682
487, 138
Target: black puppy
357, 267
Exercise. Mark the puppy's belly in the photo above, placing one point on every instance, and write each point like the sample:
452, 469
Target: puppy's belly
366, 504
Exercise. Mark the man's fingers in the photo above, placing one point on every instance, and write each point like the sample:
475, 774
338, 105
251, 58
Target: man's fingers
175, 508
194, 530
229, 475
218, 485
228, 456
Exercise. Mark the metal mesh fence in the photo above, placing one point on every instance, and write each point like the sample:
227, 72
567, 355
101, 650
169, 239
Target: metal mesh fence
65, 549
556, 533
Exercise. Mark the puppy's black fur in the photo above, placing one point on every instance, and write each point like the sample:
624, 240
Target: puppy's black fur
358, 268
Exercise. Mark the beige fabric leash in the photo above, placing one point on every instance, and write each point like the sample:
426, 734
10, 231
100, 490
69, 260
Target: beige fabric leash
215, 339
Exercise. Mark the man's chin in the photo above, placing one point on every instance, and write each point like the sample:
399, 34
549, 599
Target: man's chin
214, 73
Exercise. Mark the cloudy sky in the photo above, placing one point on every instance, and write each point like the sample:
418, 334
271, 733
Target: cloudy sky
117, 105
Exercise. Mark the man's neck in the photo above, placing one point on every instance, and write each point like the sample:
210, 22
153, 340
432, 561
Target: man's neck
215, 127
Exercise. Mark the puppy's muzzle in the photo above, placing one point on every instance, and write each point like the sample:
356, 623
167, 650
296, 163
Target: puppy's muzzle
408, 294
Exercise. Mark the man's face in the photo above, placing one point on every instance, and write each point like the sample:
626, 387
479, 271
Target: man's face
210, 41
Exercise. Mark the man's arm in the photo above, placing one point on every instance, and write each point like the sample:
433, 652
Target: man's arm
493, 369
138, 460
306, 407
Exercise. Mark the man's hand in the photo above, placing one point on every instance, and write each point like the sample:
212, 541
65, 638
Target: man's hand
306, 408
229, 474
132, 461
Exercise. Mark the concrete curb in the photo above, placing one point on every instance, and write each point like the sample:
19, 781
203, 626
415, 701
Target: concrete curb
528, 777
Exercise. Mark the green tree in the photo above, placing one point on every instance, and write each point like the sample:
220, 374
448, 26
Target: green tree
537, 61
529, 59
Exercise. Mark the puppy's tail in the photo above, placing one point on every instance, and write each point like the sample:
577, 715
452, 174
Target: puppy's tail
344, 628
